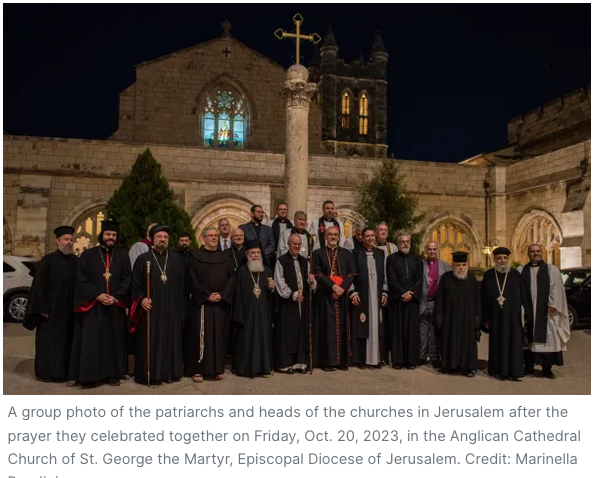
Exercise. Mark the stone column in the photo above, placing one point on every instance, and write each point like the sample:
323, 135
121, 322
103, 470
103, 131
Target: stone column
297, 93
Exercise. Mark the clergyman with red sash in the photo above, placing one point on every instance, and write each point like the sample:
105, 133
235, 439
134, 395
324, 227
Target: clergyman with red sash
334, 270
102, 288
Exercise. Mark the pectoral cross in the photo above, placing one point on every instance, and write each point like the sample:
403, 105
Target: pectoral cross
298, 20
107, 275
501, 299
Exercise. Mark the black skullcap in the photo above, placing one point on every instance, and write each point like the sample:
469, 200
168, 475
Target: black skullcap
459, 256
159, 228
62, 230
109, 226
501, 251
254, 244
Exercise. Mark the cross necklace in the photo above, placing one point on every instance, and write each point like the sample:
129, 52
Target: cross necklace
164, 277
501, 299
256, 288
106, 274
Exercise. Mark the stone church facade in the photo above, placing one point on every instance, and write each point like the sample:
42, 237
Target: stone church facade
213, 116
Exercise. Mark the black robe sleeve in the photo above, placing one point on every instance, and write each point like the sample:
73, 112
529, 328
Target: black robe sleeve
227, 294
395, 288
439, 303
417, 286
351, 272
39, 301
320, 271
122, 292
85, 290
484, 312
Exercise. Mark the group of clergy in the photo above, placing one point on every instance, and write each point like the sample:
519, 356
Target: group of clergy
278, 298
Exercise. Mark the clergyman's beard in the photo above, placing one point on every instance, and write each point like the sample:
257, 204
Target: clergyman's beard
461, 275
107, 246
502, 269
255, 265
184, 247
160, 246
405, 250
66, 250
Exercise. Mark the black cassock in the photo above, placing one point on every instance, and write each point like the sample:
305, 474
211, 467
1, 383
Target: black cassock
405, 273
238, 257
100, 339
252, 317
291, 323
456, 318
360, 313
205, 353
168, 301
332, 337
52, 293
504, 323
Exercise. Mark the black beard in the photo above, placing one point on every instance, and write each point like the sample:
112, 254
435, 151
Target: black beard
106, 246
184, 247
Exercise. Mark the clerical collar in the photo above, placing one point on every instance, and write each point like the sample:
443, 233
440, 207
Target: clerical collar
294, 257
158, 251
381, 244
256, 224
367, 248
534, 265
282, 220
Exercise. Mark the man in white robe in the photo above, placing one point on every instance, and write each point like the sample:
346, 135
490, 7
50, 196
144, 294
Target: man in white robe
300, 224
381, 240
548, 329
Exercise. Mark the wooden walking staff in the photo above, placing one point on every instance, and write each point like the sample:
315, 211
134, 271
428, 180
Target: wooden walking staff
311, 241
148, 295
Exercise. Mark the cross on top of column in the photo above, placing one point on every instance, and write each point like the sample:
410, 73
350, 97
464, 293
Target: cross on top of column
298, 20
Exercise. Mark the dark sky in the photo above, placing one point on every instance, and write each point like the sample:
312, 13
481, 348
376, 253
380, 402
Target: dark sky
456, 74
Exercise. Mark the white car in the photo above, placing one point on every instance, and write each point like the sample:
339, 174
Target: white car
17, 279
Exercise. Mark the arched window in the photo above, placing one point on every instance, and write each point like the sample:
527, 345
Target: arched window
224, 119
450, 237
543, 231
87, 229
363, 114
346, 110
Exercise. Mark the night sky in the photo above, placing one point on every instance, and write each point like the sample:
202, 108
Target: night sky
456, 74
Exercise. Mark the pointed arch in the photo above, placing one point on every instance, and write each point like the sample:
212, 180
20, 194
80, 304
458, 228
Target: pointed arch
537, 226
346, 107
453, 233
209, 212
348, 218
86, 218
364, 100
225, 112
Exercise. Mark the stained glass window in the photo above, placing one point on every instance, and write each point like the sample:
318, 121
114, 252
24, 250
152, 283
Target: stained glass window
363, 114
224, 120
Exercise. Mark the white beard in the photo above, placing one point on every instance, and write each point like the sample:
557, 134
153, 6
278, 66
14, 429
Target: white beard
461, 275
405, 250
67, 251
503, 269
255, 265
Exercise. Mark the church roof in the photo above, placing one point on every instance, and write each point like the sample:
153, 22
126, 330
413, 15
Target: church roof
226, 35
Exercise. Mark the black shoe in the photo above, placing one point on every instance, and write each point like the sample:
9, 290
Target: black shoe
113, 382
423, 361
397, 367
411, 366
514, 379
547, 373
344, 368
327, 369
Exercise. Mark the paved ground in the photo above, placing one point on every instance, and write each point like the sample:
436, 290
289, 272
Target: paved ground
573, 378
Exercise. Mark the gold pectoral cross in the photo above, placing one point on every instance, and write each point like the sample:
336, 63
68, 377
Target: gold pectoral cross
298, 20
107, 275
501, 299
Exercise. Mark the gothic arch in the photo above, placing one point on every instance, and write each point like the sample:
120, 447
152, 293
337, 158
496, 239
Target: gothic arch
537, 226
348, 218
7, 248
82, 208
235, 209
452, 233
239, 93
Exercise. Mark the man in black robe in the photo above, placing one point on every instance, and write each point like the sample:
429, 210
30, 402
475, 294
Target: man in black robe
328, 219
405, 283
211, 285
368, 295
281, 222
184, 248
334, 270
456, 317
163, 311
50, 309
237, 251
102, 292
502, 296
252, 316
291, 328
256, 230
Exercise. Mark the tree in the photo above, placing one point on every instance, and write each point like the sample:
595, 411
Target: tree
145, 197
383, 199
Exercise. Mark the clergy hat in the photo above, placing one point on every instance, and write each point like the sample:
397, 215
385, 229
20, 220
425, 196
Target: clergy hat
159, 228
62, 230
254, 244
501, 251
109, 226
459, 256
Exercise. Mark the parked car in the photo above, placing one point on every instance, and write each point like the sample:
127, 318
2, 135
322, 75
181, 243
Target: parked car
579, 304
17, 279
574, 277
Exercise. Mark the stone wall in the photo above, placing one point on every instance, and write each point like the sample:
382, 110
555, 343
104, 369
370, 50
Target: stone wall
162, 106
555, 125
82, 174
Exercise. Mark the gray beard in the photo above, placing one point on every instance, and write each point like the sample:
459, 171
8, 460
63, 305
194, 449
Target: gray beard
160, 247
405, 250
255, 266
66, 251
461, 275
503, 269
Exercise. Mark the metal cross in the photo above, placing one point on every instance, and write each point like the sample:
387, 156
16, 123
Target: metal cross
298, 20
